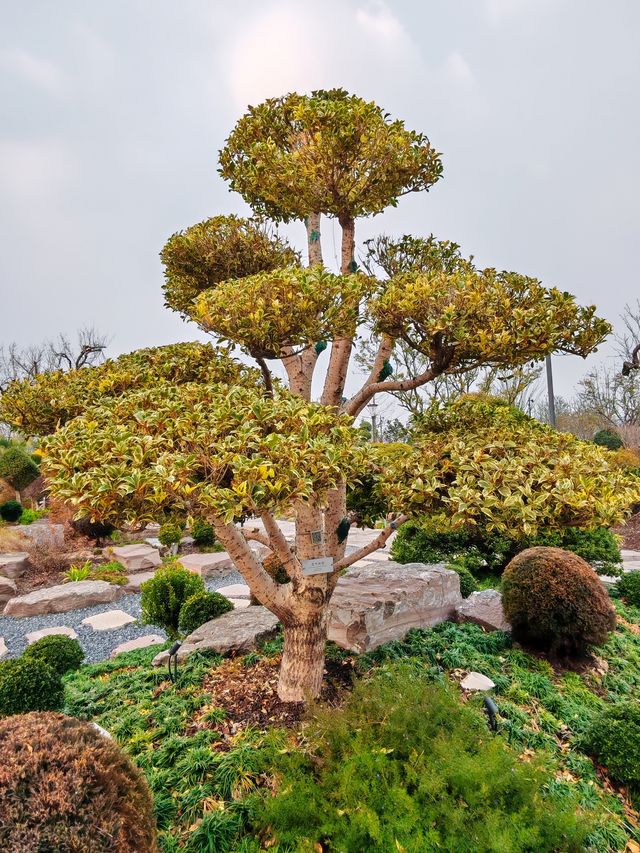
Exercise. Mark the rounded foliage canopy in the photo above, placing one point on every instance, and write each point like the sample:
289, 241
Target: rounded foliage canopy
485, 463
40, 406
218, 249
330, 152
194, 450
18, 468
290, 307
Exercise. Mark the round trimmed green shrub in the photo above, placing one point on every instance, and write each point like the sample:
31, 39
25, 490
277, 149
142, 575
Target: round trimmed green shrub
608, 438
554, 600
202, 607
628, 587
11, 511
614, 739
170, 533
163, 596
203, 533
66, 787
467, 581
18, 468
28, 684
61, 653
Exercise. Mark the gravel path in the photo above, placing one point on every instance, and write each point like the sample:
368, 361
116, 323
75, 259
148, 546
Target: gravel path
97, 645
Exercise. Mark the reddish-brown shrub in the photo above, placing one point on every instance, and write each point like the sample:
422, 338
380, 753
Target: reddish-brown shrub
64, 787
555, 600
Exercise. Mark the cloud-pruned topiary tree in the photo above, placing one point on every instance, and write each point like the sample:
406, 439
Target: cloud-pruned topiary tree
209, 438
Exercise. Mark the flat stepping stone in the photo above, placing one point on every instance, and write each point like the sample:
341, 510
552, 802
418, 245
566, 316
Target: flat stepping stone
134, 582
206, 565
235, 590
108, 621
137, 558
138, 643
3, 648
63, 597
14, 564
239, 603
476, 681
238, 631
34, 636
8, 589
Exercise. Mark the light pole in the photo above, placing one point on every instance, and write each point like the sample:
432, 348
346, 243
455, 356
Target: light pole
550, 395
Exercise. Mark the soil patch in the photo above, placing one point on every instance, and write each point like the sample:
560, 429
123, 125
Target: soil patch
248, 695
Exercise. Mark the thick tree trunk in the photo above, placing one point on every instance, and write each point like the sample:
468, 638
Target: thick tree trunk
302, 664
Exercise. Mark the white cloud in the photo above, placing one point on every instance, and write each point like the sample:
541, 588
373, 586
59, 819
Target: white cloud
277, 53
457, 69
381, 23
41, 72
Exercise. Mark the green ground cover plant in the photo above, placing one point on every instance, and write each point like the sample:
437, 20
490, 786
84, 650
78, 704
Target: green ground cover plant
209, 794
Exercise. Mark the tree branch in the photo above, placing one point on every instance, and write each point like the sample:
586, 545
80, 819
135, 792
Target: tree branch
266, 375
357, 403
255, 536
280, 546
277, 597
379, 542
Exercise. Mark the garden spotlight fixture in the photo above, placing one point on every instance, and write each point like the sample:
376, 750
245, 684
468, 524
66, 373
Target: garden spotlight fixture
173, 653
491, 710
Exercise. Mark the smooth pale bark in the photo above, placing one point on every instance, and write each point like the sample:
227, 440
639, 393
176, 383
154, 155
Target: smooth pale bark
302, 664
341, 347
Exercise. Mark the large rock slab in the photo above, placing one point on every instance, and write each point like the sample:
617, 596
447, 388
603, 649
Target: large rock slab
66, 596
375, 604
8, 589
208, 565
44, 534
135, 581
484, 608
235, 590
136, 558
236, 631
14, 565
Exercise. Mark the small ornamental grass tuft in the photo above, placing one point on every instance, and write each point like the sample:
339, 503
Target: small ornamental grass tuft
554, 600
61, 653
200, 608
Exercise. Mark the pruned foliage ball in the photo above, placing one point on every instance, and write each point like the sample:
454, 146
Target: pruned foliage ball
629, 588
28, 684
554, 600
18, 468
10, 510
61, 653
67, 788
164, 594
203, 533
614, 739
96, 530
202, 607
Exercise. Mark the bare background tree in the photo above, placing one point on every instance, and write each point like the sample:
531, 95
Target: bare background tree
61, 353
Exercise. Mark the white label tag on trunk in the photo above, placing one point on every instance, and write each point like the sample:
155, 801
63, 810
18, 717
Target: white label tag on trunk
317, 566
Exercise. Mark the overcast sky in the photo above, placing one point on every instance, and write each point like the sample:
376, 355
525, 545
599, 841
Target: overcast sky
112, 113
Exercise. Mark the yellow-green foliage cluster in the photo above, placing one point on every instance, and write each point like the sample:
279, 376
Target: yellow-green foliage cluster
52, 399
472, 317
329, 152
218, 249
199, 450
290, 307
485, 463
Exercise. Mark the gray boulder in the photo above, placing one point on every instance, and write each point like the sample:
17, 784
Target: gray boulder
8, 589
236, 631
485, 609
66, 596
15, 564
136, 558
380, 602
